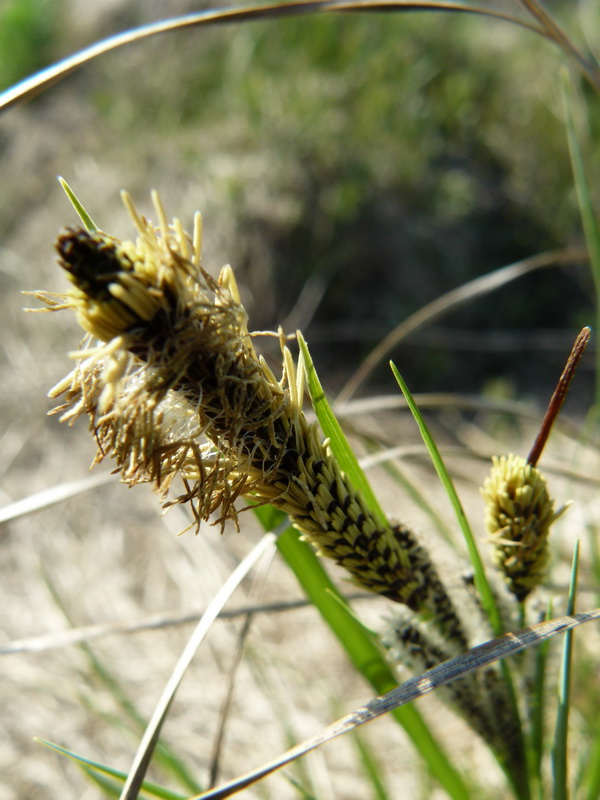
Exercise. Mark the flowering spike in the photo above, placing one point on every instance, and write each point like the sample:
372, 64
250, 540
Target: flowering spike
519, 513
175, 388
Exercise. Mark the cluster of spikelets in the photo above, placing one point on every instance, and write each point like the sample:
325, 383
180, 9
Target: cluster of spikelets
172, 385
519, 514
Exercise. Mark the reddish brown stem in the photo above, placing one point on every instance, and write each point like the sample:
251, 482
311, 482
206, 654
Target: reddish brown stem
560, 393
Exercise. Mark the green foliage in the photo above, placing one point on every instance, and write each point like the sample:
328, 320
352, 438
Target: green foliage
29, 30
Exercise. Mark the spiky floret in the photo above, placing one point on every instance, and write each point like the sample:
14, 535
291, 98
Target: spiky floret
481, 697
518, 514
175, 387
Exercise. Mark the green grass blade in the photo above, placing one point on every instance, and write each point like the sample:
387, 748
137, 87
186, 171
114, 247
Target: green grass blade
361, 648
560, 789
107, 776
481, 581
333, 431
371, 766
488, 601
537, 708
586, 208
89, 223
593, 776
110, 787
303, 793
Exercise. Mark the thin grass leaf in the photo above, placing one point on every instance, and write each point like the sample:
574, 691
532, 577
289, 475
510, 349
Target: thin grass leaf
537, 705
53, 495
476, 658
361, 648
304, 793
30, 87
556, 33
88, 222
586, 208
279, 700
413, 491
482, 585
592, 779
97, 769
594, 551
481, 581
340, 446
109, 787
560, 789
371, 767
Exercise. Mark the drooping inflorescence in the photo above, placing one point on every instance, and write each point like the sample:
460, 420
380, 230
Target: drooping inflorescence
173, 387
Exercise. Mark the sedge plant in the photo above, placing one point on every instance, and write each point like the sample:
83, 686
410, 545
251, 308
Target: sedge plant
176, 394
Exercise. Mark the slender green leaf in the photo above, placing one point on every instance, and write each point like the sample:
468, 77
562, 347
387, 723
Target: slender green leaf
586, 208
519, 781
560, 789
593, 776
97, 769
340, 446
132, 719
537, 704
371, 766
89, 223
481, 581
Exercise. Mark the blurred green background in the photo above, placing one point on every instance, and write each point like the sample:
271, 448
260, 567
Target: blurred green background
351, 168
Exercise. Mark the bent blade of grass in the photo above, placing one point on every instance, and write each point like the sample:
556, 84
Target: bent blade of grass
97, 770
560, 789
371, 766
363, 651
418, 686
34, 85
481, 581
478, 287
338, 443
586, 208
592, 779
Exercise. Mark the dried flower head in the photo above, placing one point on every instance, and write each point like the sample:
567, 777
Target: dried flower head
518, 516
174, 387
